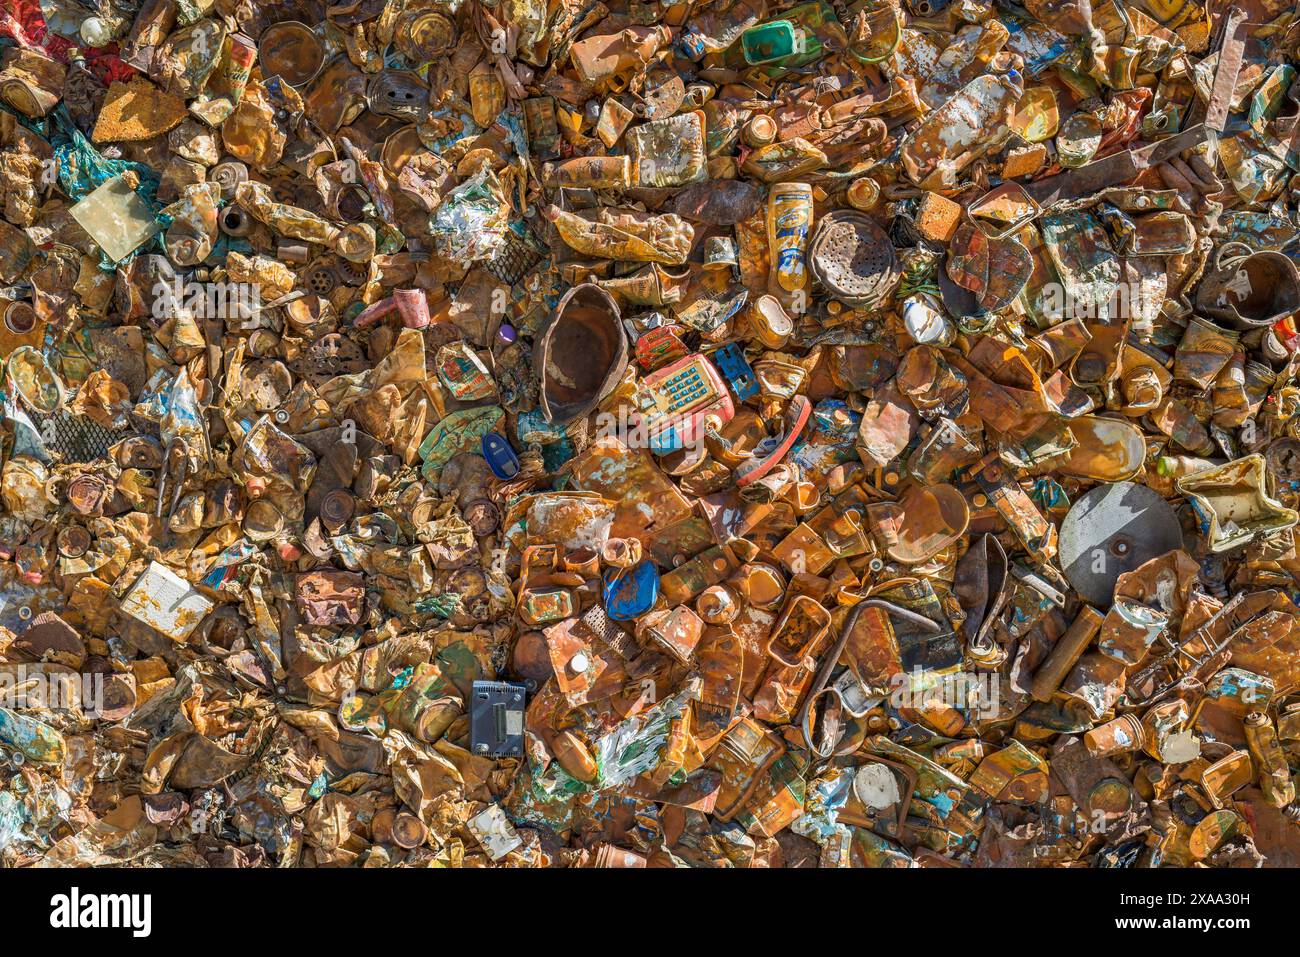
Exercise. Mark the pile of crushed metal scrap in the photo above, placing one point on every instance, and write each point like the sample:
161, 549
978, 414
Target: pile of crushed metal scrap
603, 433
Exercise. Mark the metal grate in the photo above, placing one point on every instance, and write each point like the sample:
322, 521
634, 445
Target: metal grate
76, 438
519, 254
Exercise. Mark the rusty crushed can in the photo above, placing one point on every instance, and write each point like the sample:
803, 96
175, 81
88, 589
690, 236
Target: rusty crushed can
1270, 760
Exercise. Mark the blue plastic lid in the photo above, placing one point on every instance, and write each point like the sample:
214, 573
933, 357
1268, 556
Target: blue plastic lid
632, 592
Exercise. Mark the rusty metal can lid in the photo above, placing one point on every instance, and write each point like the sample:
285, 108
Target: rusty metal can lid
424, 35
336, 508
86, 494
400, 147
760, 130
20, 318
262, 520
423, 511
381, 826
73, 541
1212, 832
863, 193
408, 830
292, 51
531, 657
482, 516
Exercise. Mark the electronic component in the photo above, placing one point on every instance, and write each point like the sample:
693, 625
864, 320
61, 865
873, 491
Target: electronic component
496, 728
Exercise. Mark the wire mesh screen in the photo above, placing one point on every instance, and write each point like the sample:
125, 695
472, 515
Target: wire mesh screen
519, 255
76, 438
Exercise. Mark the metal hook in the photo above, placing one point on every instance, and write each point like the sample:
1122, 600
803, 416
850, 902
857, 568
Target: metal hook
820, 682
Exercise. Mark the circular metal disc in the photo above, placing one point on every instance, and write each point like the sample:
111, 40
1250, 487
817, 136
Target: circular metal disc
1214, 830
1111, 530
852, 257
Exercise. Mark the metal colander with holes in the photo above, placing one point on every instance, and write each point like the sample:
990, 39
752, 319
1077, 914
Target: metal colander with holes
853, 258
76, 438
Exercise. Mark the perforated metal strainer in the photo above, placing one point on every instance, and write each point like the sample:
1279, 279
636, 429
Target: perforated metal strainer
853, 258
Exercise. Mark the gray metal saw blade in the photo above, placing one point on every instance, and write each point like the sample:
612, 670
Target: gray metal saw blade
1113, 529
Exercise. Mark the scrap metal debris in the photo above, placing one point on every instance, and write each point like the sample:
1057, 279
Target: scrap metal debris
735, 433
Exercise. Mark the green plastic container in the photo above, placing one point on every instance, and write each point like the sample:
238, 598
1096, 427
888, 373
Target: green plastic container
771, 42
